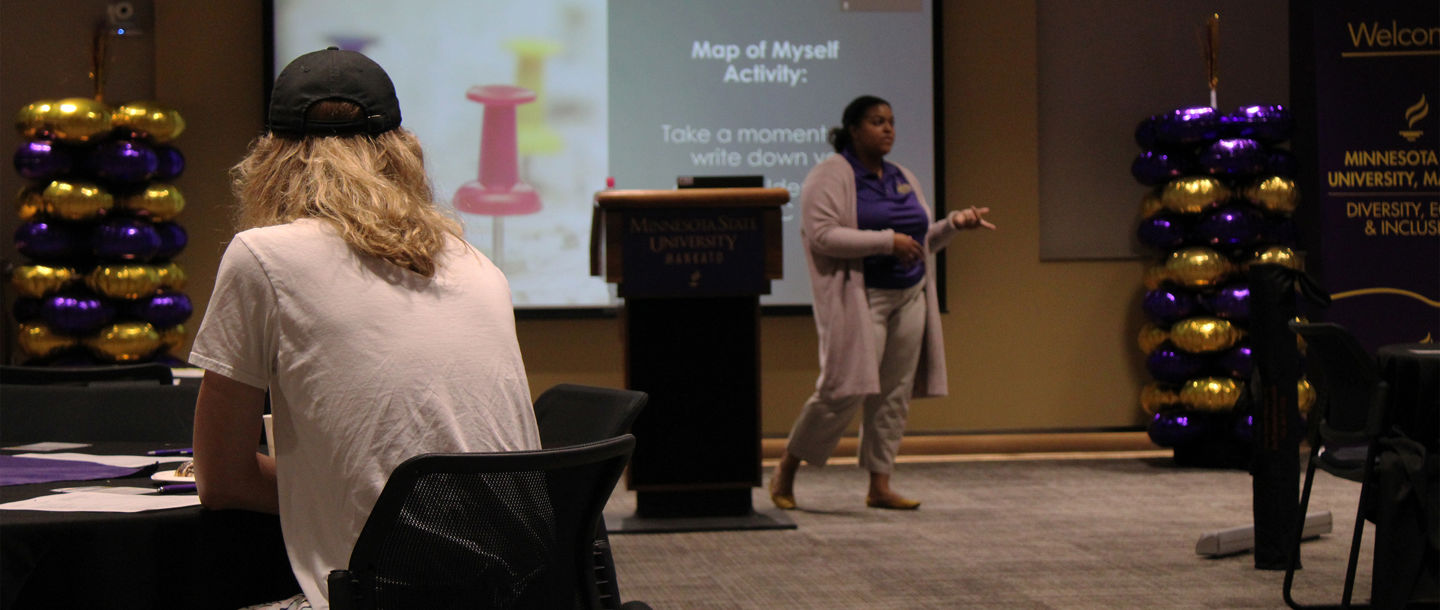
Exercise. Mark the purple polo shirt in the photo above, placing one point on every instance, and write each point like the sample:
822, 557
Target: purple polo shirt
888, 202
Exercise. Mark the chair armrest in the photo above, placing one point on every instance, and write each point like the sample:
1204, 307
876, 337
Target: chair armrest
342, 590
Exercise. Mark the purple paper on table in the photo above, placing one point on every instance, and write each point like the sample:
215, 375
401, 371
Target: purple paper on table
22, 471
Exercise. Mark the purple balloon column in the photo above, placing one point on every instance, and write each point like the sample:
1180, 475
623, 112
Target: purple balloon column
1205, 300
99, 283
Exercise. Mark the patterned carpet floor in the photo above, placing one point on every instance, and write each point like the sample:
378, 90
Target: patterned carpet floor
1096, 532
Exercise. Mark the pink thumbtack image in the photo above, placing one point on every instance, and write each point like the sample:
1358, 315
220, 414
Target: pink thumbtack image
498, 192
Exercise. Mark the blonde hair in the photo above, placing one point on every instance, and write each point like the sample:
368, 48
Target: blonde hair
372, 189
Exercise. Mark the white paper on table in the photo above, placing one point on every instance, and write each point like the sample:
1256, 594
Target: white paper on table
101, 502
46, 446
187, 373
123, 461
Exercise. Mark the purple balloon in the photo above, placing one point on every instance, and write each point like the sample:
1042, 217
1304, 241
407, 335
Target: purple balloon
1231, 301
1154, 168
1166, 304
173, 239
123, 161
169, 163
42, 160
164, 310
75, 314
1188, 126
170, 361
1243, 429
1172, 365
1278, 230
1281, 162
1231, 226
125, 239
1162, 231
45, 240
1237, 362
1234, 158
71, 358
1147, 133
26, 309
1270, 124
1178, 428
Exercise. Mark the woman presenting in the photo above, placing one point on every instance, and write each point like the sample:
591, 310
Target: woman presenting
871, 243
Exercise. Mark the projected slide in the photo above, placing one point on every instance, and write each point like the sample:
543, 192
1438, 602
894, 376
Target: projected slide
643, 91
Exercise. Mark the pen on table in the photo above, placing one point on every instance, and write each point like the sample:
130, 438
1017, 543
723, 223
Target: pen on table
178, 488
159, 452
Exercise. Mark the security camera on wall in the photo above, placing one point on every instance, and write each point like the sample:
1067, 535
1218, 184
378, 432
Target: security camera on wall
123, 18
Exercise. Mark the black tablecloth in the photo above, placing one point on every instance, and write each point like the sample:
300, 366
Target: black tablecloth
178, 558
1406, 507
1413, 372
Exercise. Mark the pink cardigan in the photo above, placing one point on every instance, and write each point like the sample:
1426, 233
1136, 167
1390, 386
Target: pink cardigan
834, 246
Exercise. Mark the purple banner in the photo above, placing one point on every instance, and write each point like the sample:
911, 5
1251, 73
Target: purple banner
1377, 112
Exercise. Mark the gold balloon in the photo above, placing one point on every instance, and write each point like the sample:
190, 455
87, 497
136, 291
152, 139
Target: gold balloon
38, 341
1211, 393
1193, 194
36, 281
1305, 393
124, 281
1275, 194
159, 201
76, 200
30, 121
29, 202
78, 119
1155, 276
1151, 204
125, 341
173, 338
149, 119
1151, 336
1277, 255
1197, 267
171, 276
1204, 334
1156, 397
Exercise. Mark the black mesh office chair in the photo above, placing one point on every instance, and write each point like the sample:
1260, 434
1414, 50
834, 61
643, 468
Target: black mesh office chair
85, 375
127, 402
571, 414
484, 530
1345, 430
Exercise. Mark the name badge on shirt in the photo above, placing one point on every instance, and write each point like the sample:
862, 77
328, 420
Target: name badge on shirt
903, 188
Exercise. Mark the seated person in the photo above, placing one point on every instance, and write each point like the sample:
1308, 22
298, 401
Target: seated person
378, 331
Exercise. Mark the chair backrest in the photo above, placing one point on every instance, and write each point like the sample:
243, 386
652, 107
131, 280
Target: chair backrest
100, 412
1350, 394
85, 375
484, 530
570, 414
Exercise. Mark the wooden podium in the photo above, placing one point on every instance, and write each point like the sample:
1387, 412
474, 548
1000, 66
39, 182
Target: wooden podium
691, 265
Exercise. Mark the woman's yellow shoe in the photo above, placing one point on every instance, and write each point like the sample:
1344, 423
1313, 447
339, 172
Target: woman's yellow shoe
893, 503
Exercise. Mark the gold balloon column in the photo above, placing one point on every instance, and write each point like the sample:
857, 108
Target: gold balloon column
1222, 198
98, 232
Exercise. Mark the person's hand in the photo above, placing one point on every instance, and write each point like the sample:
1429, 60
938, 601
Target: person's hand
971, 218
907, 249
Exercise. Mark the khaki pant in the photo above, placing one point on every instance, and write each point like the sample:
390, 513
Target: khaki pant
897, 319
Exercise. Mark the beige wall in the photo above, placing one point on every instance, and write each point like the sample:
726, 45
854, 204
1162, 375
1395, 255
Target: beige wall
1030, 345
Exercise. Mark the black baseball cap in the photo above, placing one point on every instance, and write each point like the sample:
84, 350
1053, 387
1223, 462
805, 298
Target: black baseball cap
332, 74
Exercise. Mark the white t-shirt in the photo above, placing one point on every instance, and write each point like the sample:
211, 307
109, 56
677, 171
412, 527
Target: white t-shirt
367, 364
